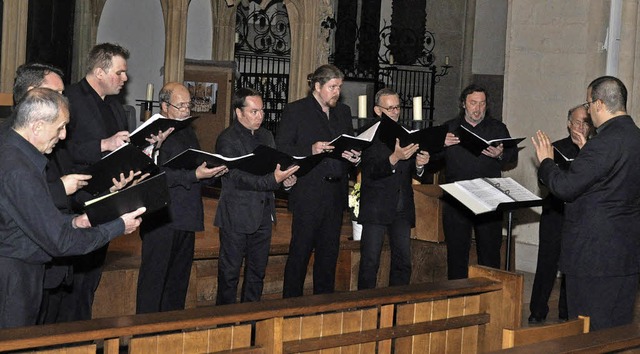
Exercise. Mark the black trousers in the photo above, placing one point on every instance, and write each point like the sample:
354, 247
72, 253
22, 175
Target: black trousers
550, 237
608, 301
254, 250
20, 292
163, 280
314, 230
457, 222
87, 271
399, 232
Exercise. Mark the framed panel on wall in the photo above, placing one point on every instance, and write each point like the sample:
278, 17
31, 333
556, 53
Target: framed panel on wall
211, 84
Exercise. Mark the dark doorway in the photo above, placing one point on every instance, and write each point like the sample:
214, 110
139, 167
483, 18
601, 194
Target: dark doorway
50, 33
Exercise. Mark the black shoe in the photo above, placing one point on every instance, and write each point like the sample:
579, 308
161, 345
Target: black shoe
536, 320
563, 318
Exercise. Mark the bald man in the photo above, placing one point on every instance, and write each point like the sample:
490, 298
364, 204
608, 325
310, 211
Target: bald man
168, 237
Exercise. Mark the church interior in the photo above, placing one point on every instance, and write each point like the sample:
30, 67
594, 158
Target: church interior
534, 58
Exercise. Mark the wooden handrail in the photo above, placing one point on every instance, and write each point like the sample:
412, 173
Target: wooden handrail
116, 327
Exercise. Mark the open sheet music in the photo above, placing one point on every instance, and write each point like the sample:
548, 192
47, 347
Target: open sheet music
475, 143
483, 195
358, 143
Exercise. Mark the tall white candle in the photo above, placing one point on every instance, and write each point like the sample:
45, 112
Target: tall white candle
149, 92
446, 60
391, 61
417, 108
362, 106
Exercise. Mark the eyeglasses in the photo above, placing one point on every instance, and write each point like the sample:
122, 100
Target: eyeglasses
580, 124
181, 106
391, 109
587, 104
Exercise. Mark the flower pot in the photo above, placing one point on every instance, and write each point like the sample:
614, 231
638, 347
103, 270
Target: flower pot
357, 230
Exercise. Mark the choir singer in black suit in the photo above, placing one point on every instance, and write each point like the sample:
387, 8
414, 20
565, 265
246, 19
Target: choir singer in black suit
386, 203
579, 127
246, 210
32, 229
600, 254
319, 198
168, 236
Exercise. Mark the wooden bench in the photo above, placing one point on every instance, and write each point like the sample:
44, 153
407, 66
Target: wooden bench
457, 316
622, 339
512, 337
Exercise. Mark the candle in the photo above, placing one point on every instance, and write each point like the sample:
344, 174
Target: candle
391, 59
149, 92
362, 106
237, 37
417, 108
446, 60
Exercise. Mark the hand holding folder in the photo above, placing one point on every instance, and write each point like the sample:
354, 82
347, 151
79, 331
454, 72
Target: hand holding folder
152, 193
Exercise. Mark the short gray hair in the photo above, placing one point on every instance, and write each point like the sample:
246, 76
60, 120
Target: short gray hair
39, 104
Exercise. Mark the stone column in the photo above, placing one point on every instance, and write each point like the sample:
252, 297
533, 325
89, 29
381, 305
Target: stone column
309, 47
14, 41
224, 29
85, 34
175, 27
630, 54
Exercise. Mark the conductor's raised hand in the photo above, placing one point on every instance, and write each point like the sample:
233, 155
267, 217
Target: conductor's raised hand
115, 141
280, 175
204, 172
543, 146
132, 220
73, 182
320, 147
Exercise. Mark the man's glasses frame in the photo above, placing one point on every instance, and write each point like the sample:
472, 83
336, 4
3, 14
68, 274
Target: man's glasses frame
182, 106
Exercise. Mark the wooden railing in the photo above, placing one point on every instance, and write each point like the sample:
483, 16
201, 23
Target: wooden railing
464, 316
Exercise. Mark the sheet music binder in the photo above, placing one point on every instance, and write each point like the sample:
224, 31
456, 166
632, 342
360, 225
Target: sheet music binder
154, 124
152, 193
122, 160
483, 195
430, 139
475, 143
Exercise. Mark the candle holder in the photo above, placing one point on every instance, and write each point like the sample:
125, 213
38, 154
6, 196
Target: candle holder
443, 72
146, 108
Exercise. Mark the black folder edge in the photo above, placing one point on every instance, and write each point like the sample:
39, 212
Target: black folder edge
191, 158
471, 142
390, 130
152, 193
139, 138
101, 177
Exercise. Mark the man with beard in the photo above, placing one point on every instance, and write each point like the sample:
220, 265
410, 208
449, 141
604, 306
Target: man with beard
461, 164
319, 198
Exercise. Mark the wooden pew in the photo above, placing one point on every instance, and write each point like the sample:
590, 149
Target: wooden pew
622, 339
456, 316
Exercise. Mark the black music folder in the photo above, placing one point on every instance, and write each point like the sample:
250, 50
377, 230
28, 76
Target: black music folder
154, 124
190, 159
122, 160
482, 195
475, 144
265, 159
152, 193
347, 142
430, 139
561, 159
